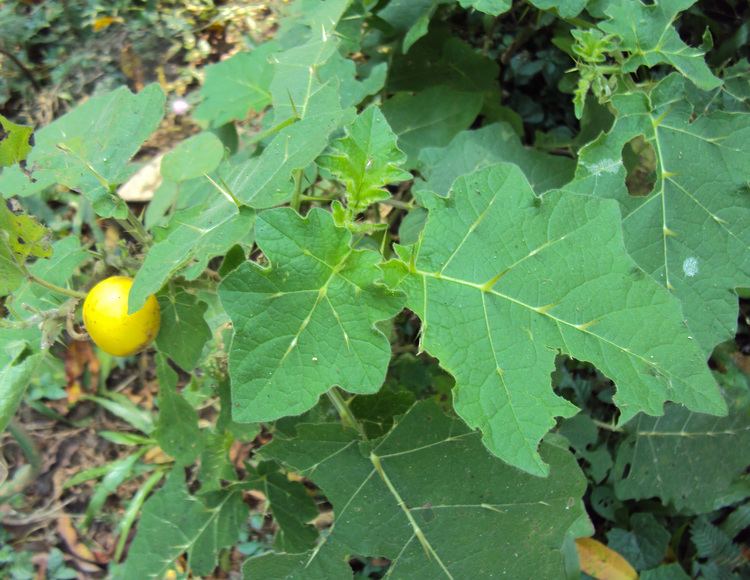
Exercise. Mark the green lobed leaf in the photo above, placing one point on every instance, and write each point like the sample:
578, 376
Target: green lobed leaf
472, 150
21, 237
193, 157
647, 33
292, 508
177, 429
430, 118
15, 142
236, 87
313, 109
556, 280
691, 232
645, 545
197, 234
15, 375
688, 460
184, 330
507, 520
306, 322
410, 18
174, 522
366, 160
92, 143
442, 56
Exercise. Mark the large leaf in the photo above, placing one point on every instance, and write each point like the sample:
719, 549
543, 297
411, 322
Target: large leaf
235, 87
88, 149
14, 142
691, 232
472, 150
648, 34
174, 522
194, 157
690, 461
366, 160
199, 234
504, 280
508, 521
306, 322
430, 118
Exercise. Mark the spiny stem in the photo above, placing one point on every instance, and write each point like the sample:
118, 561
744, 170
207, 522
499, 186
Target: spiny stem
347, 417
297, 195
136, 229
55, 287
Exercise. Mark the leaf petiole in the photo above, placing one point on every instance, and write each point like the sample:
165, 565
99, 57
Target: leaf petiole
342, 407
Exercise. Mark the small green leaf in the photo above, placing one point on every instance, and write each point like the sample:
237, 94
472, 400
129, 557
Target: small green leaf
292, 508
193, 237
366, 160
177, 429
645, 545
311, 314
430, 118
491, 7
184, 330
14, 142
236, 86
565, 8
193, 157
14, 378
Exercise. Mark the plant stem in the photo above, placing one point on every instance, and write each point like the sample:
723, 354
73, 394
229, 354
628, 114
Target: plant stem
347, 418
396, 203
138, 230
316, 198
273, 130
607, 426
55, 287
297, 195
133, 509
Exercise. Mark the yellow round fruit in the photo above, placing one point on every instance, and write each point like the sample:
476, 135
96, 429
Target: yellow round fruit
105, 314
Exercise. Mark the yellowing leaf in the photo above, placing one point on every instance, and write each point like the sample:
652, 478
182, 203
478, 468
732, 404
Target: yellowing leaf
105, 22
602, 563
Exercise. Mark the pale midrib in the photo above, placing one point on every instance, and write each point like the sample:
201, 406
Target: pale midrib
540, 311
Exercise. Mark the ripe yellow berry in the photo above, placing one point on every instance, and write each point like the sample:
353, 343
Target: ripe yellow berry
105, 314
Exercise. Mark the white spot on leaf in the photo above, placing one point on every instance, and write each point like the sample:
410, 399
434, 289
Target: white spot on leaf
690, 267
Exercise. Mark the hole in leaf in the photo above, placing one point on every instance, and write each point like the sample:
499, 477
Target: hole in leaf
639, 159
